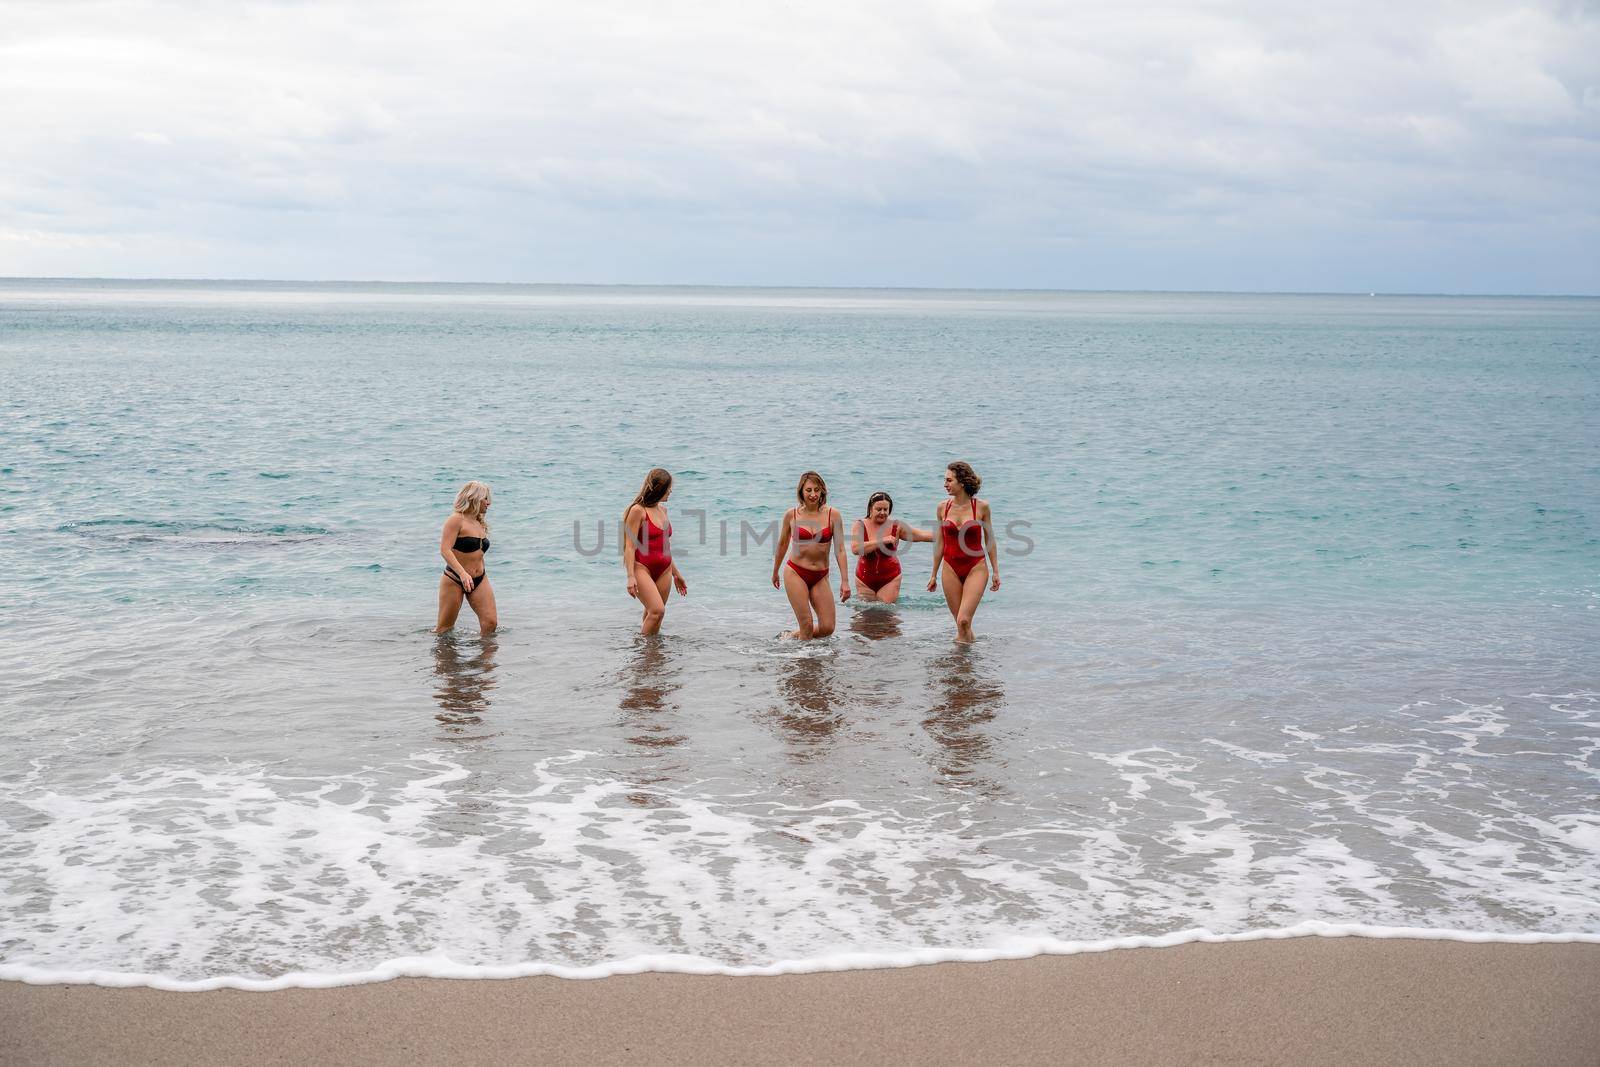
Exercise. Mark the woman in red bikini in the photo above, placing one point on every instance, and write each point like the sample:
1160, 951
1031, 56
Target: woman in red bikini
876, 539
811, 526
647, 550
960, 545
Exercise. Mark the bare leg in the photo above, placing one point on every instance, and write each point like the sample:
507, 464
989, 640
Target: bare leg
971, 592
481, 600
664, 588
449, 605
822, 595
889, 592
794, 587
952, 591
653, 596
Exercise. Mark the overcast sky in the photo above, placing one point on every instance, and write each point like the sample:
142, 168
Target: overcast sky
1351, 146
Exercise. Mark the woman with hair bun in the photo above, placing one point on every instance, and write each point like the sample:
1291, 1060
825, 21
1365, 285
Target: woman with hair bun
810, 525
647, 550
960, 547
463, 544
876, 539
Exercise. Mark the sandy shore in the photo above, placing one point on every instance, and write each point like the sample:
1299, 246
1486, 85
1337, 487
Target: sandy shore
1308, 1000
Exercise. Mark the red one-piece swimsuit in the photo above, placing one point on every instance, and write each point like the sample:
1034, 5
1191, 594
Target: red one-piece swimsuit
957, 552
655, 547
878, 567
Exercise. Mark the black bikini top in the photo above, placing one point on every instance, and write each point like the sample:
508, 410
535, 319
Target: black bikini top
471, 544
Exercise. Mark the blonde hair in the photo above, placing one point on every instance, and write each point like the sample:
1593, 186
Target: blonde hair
471, 501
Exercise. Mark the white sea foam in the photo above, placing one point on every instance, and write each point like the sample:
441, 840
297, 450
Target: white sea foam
1010, 949
188, 879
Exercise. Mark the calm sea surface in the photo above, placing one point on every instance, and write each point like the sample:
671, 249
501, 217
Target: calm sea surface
1299, 624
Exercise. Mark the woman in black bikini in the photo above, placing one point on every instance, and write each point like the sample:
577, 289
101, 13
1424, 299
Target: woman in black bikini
462, 544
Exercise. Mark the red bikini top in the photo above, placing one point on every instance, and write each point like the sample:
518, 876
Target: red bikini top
823, 538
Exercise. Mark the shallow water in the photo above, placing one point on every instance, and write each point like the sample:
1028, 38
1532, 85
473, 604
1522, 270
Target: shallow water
1298, 624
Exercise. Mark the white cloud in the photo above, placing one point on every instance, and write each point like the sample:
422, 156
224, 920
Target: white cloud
954, 142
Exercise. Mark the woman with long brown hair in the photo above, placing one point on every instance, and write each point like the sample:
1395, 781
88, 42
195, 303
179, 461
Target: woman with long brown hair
810, 526
960, 547
463, 544
647, 550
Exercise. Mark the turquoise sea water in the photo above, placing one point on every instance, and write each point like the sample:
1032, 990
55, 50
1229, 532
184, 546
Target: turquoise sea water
1298, 624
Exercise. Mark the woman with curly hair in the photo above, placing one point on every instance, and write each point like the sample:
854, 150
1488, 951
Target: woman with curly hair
960, 547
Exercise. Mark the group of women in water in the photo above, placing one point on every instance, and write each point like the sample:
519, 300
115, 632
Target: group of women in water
965, 558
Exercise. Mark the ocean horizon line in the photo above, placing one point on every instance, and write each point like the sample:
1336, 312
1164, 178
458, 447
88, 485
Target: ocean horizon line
763, 288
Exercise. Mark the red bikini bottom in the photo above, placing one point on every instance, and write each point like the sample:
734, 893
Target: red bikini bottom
811, 577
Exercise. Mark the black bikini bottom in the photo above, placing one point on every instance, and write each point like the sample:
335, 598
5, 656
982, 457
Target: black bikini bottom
450, 574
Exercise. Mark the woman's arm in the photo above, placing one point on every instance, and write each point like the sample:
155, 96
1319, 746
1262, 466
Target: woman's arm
783, 547
994, 547
630, 545
938, 547
912, 533
858, 541
630, 536
447, 543
837, 522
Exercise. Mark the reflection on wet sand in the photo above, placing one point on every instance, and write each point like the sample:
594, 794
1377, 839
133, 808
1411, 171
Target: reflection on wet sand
969, 699
808, 710
647, 708
875, 623
464, 669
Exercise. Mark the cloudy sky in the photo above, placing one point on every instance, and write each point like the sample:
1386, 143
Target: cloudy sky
1214, 144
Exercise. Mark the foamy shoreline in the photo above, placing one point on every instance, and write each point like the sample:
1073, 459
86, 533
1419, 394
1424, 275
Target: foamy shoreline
1303, 1000
438, 967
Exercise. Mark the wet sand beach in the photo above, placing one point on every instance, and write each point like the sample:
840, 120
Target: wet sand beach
1307, 1000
